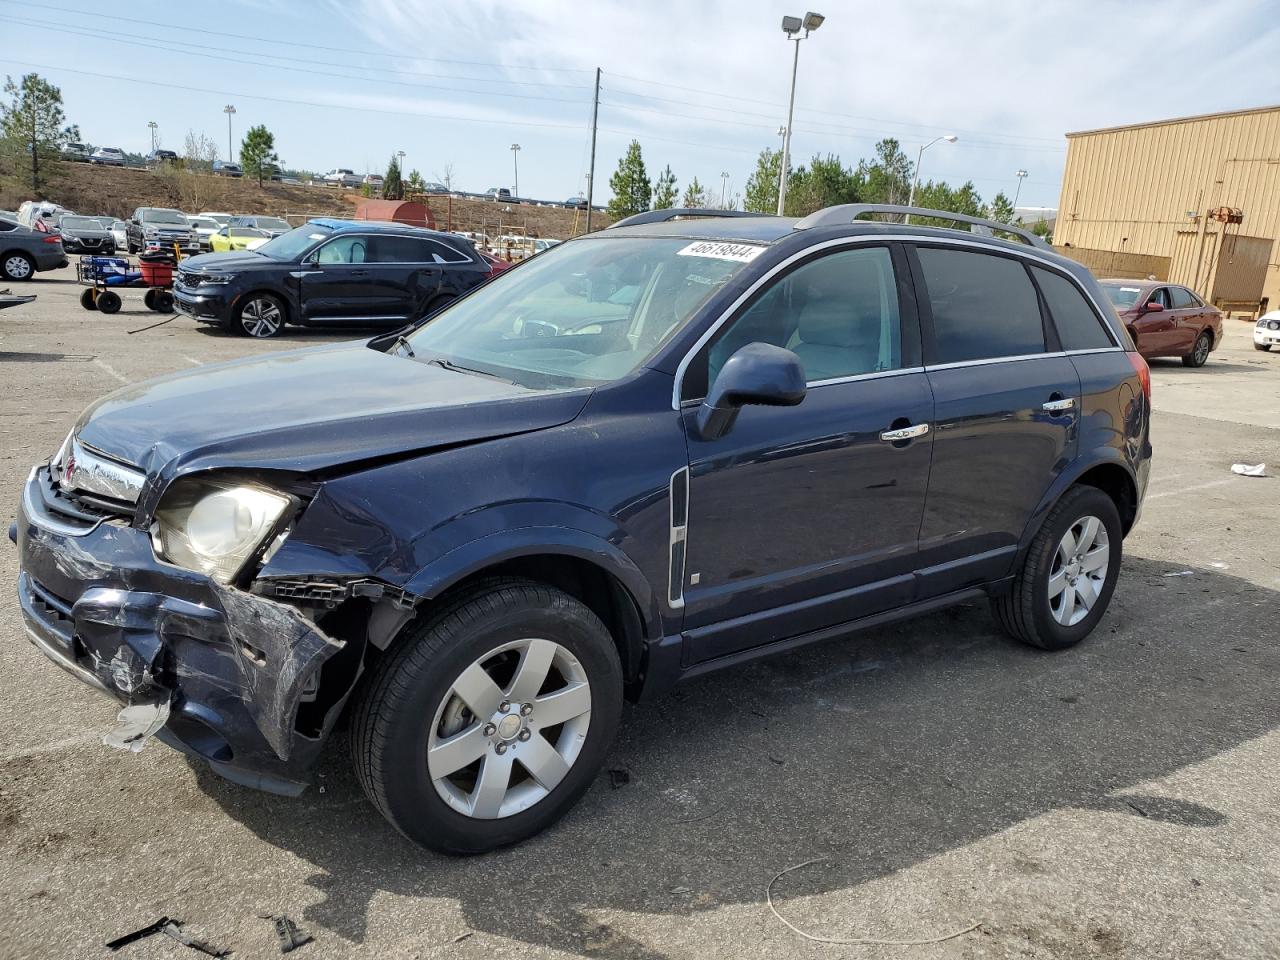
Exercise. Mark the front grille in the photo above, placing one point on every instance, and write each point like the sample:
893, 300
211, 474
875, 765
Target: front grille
51, 607
190, 280
77, 506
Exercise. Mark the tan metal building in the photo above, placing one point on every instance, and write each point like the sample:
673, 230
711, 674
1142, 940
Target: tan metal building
1194, 200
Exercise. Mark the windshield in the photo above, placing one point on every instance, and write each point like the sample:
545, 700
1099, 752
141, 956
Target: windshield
292, 245
79, 223
1122, 295
163, 216
585, 313
203, 223
272, 223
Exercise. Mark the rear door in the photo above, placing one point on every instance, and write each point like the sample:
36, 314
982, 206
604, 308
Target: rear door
406, 273
1189, 319
1006, 410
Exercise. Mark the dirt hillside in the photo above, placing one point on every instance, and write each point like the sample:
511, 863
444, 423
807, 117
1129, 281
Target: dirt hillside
118, 191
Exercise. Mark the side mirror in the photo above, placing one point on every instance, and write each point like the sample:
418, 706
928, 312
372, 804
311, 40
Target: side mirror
1153, 306
759, 374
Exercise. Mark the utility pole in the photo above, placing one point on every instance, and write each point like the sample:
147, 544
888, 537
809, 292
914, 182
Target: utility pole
153, 125
229, 110
515, 164
591, 172
1021, 175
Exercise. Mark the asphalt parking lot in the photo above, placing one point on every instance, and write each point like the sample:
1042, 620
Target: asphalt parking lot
1117, 800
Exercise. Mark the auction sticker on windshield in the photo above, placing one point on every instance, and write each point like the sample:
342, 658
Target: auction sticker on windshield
719, 250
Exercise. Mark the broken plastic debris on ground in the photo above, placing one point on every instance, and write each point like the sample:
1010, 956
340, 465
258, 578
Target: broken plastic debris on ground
1249, 470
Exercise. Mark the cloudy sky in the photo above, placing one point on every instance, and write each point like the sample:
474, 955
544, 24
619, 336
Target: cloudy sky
702, 85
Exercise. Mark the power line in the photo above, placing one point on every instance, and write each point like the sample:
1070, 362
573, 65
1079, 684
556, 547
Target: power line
275, 41
288, 100
276, 66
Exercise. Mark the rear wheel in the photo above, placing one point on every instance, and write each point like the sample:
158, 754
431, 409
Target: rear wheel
261, 315
149, 298
164, 302
487, 724
1068, 574
88, 301
109, 301
18, 266
1200, 352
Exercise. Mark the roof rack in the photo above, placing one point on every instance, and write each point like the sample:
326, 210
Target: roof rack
679, 213
848, 212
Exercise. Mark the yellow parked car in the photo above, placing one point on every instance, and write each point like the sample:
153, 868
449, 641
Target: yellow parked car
238, 238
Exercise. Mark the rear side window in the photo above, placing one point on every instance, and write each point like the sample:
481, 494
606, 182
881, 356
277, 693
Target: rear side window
1182, 298
393, 249
1079, 328
983, 306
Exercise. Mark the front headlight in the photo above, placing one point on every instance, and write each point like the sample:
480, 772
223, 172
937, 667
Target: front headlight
219, 277
151, 233
215, 527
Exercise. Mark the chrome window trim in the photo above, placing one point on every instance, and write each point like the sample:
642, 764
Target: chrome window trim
834, 381
882, 239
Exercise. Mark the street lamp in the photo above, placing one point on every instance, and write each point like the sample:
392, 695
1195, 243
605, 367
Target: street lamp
153, 125
724, 182
400, 156
1021, 175
792, 26
229, 110
915, 182
515, 163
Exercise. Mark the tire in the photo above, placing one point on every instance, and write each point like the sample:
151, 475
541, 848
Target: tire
260, 315
409, 706
108, 301
1199, 354
149, 298
1028, 612
164, 302
1262, 346
87, 300
17, 266
131, 247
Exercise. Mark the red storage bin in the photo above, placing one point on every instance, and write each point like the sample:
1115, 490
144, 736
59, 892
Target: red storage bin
156, 274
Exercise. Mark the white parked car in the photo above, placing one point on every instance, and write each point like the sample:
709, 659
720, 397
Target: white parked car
110, 156
342, 177
374, 180
205, 227
1266, 332
120, 234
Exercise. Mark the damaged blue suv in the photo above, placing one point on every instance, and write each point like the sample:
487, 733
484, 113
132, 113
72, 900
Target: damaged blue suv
668, 447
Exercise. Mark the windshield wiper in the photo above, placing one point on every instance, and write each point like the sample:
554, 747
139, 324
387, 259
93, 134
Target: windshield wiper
403, 347
458, 368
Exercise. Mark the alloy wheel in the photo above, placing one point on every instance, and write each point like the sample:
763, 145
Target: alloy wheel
509, 729
17, 268
1202, 351
261, 318
1079, 570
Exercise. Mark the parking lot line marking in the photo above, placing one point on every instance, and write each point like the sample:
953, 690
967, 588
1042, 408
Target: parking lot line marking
1197, 486
47, 748
98, 362
198, 363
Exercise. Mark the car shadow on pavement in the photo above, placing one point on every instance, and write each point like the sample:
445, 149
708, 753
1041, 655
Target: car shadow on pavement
878, 751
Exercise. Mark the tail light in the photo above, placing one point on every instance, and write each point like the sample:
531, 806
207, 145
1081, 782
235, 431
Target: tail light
52, 238
1143, 371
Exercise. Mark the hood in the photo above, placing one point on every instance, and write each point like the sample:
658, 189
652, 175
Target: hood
310, 411
226, 262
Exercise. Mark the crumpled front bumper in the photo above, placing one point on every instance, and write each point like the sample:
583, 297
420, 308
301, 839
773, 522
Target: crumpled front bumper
233, 666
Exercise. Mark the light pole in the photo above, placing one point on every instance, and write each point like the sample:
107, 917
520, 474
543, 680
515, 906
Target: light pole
515, 163
153, 125
915, 181
229, 110
1021, 175
400, 156
792, 26
724, 182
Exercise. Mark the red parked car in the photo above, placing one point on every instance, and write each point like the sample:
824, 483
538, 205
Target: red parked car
1166, 320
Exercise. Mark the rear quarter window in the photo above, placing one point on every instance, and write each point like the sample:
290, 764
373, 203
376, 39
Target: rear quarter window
1079, 326
983, 306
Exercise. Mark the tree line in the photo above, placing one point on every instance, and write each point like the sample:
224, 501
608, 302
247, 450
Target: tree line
885, 177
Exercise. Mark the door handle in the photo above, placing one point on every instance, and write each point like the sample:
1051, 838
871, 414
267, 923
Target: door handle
1057, 406
904, 433
359, 273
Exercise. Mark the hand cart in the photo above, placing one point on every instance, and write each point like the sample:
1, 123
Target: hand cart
104, 276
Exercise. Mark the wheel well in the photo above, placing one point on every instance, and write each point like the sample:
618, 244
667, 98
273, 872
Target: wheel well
1116, 483
601, 592
18, 250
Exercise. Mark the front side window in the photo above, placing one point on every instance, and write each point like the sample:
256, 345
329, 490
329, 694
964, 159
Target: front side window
984, 306
1079, 328
587, 312
348, 249
1161, 297
839, 314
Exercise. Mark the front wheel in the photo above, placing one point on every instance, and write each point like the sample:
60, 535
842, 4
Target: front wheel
260, 316
108, 301
1261, 346
1200, 352
1068, 574
486, 724
88, 300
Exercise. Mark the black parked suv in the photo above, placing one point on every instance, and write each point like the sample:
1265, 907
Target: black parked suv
330, 272
661, 449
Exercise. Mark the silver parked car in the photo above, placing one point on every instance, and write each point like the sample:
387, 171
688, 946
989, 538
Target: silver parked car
24, 252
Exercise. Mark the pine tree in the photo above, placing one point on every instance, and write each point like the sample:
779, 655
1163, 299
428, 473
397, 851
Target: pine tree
630, 184
665, 193
762, 185
392, 185
1002, 209
33, 121
695, 195
258, 152
415, 183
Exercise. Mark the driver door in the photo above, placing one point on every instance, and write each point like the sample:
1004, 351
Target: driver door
339, 285
807, 516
